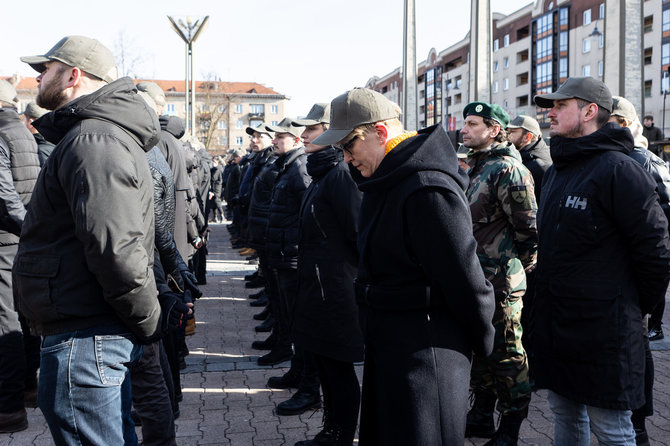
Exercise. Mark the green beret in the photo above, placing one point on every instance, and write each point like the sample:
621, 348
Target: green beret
491, 111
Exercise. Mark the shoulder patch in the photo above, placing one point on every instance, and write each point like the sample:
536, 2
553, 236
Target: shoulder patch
520, 197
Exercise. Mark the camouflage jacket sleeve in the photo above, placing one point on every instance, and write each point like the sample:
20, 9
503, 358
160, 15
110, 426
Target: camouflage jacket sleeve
517, 197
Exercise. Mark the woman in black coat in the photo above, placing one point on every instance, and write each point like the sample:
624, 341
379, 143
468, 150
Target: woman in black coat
326, 314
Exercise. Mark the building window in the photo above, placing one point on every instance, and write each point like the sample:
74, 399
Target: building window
665, 54
495, 86
495, 66
238, 108
544, 24
221, 125
666, 20
274, 109
563, 41
257, 109
648, 52
506, 62
495, 45
601, 66
543, 48
586, 45
563, 67
648, 23
506, 40
544, 72
222, 108
647, 89
522, 101
275, 122
221, 140
563, 17
238, 141
506, 84
239, 124
601, 11
586, 70
170, 110
587, 17
601, 41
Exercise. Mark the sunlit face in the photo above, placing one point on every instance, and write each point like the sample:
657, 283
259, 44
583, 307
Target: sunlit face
260, 141
310, 133
476, 134
51, 86
648, 122
283, 143
565, 119
365, 154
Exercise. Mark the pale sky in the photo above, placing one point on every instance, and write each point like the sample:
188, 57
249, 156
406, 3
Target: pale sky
311, 51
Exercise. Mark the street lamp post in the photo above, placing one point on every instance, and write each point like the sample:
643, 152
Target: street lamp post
189, 32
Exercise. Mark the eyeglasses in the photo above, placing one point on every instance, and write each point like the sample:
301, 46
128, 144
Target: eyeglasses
346, 147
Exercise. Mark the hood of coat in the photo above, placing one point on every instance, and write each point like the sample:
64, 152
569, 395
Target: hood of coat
610, 137
430, 150
117, 103
173, 124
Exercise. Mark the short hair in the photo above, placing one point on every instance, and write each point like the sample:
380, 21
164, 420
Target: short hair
603, 115
648, 117
502, 134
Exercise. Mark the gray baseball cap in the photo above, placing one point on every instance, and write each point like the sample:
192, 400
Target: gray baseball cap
285, 127
318, 114
624, 108
34, 111
527, 123
354, 108
153, 90
85, 53
7, 92
260, 128
586, 88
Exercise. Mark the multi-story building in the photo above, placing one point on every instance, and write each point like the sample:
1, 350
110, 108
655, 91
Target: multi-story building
223, 109
533, 51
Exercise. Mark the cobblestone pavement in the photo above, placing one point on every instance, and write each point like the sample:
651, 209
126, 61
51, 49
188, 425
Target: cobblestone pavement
226, 401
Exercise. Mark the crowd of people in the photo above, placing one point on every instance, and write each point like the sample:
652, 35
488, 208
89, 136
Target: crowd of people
462, 277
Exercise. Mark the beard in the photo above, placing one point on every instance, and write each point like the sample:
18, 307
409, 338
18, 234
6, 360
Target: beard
50, 96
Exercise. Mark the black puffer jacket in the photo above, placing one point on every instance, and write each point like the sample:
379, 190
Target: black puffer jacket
85, 256
326, 314
604, 260
259, 206
19, 168
283, 220
537, 159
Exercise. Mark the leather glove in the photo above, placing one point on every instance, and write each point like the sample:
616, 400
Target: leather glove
191, 283
174, 310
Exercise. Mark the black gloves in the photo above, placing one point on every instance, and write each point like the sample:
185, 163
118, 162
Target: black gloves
175, 312
190, 283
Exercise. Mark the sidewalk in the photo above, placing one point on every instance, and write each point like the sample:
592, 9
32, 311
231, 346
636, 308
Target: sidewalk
226, 401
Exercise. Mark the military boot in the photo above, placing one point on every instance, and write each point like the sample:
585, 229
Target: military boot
508, 431
480, 418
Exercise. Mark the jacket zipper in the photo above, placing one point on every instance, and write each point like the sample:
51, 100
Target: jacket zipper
316, 220
318, 278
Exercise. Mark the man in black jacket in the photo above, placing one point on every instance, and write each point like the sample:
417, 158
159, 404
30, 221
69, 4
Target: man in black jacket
83, 272
604, 261
19, 168
44, 147
524, 132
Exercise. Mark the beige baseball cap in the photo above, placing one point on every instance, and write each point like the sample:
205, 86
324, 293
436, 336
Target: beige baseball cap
34, 111
527, 123
318, 114
85, 53
285, 127
153, 90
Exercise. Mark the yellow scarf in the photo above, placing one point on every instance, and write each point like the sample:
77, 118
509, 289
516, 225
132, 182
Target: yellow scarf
397, 140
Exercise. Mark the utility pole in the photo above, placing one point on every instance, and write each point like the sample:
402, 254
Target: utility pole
409, 78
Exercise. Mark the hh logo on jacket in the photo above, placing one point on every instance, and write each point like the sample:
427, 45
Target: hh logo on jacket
574, 202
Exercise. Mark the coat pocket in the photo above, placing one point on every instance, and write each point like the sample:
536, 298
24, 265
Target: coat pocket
585, 323
33, 291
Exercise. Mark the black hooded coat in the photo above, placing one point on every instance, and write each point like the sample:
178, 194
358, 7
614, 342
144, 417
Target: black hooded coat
424, 302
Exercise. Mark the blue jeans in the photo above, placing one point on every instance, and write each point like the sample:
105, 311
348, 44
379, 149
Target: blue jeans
572, 420
83, 391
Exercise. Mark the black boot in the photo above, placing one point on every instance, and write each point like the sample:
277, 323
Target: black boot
331, 435
260, 302
263, 315
299, 403
508, 431
266, 326
277, 354
267, 344
290, 379
257, 294
480, 418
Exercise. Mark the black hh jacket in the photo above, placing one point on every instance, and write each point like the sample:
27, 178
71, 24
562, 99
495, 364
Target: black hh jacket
603, 262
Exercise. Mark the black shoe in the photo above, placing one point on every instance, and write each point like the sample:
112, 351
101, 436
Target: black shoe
267, 344
13, 421
260, 302
656, 334
276, 355
266, 326
258, 282
263, 315
299, 403
288, 380
249, 277
258, 294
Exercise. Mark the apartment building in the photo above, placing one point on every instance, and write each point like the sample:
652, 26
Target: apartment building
223, 109
534, 50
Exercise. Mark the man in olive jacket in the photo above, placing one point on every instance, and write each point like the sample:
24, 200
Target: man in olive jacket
83, 273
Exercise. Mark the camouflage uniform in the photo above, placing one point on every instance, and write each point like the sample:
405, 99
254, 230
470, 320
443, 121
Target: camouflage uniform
503, 206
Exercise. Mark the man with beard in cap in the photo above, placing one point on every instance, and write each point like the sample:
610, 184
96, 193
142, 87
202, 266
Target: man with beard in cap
44, 147
83, 273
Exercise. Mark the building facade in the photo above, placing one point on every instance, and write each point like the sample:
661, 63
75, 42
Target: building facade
533, 51
223, 109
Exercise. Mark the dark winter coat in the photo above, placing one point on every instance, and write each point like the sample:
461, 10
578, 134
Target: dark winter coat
19, 168
86, 251
283, 219
258, 161
425, 304
216, 180
44, 148
326, 314
232, 183
604, 260
537, 159
652, 133
657, 168
259, 206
